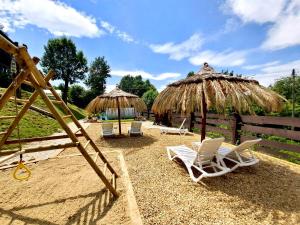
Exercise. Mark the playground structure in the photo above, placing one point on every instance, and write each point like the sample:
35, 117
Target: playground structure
30, 75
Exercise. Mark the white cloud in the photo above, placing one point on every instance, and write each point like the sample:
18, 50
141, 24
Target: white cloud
181, 50
285, 33
256, 10
120, 34
55, 16
269, 74
284, 15
225, 58
258, 66
145, 75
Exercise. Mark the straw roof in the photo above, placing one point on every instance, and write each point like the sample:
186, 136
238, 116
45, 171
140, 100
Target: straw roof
111, 99
220, 91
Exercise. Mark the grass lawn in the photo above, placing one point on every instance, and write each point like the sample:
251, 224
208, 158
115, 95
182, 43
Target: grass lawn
34, 124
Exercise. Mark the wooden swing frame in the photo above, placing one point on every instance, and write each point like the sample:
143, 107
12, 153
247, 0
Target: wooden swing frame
30, 75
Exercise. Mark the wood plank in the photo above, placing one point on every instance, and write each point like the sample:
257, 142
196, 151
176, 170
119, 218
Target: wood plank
219, 130
105, 168
40, 148
5, 97
294, 135
96, 157
218, 121
7, 117
86, 144
36, 139
56, 102
67, 116
4, 132
274, 144
272, 120
23, 111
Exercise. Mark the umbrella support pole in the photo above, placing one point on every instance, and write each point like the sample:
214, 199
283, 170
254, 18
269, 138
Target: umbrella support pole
119, 116
203, 117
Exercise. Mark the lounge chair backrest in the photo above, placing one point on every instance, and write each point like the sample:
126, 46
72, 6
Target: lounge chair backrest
208, 148
136, 126
181, 126
107, 127
246, 145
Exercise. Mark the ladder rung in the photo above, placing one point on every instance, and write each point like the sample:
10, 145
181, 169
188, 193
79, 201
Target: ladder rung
7, 117
19, 100
96, 157
2, 133
86, 144
105, 168
56, 102
114, 184
67, 116
28, 83
77, 131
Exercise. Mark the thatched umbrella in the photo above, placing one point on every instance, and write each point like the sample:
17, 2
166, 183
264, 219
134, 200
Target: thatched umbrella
116, 99
208, 89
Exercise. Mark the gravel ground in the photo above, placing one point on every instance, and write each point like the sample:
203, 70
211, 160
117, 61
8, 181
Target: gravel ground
62, 191
67, 191
268, 193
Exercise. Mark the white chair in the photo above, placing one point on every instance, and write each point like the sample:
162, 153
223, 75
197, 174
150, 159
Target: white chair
205, 157
135, 128
107, 129
240, 155
173, 130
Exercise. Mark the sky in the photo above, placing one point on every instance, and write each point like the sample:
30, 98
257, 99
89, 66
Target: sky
164, 40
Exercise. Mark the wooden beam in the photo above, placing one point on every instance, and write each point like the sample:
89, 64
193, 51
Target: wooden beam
7, 117
40, 148
272, 120
65, 107
294, 135
31, 65
73, 137
12, 88
8, 46
23, 111
36, 139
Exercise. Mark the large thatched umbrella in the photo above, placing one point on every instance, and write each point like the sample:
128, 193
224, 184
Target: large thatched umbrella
208, 89
116, 99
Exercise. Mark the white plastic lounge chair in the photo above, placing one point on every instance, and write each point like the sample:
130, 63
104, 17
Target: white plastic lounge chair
107, 129
241, 155
173, 130
135, 128
205, 157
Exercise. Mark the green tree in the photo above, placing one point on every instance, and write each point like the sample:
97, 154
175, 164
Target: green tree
98, 73
135, 85
76, 95
190, 74
149, 97
283, 86
69, 64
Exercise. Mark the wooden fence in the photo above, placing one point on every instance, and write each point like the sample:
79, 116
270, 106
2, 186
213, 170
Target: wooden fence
278, 133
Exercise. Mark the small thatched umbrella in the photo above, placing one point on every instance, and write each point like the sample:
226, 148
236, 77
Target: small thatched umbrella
209, 89
116, 99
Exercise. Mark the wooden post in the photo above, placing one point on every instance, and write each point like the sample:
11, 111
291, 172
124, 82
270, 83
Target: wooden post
119, 116
203, 115
192, 122
235, 127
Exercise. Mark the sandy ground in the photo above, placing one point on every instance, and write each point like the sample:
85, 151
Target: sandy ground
268, 193
67, 191
62, 191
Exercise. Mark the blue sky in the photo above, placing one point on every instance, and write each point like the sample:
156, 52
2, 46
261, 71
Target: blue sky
164, 40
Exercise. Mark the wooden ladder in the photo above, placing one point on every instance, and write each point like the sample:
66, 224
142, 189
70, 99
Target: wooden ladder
31, 76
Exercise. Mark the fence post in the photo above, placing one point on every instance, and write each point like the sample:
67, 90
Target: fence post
192, 121
236, 127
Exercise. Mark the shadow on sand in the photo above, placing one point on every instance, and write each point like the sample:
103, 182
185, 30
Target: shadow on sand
89, 213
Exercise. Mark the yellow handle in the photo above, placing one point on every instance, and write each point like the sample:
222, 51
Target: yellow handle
21, 172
